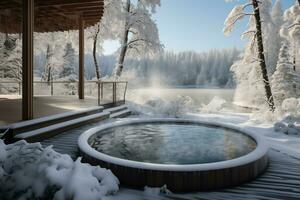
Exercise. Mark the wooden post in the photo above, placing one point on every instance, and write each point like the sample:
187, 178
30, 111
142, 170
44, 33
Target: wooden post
98, 84
20, 87
81, 59
114, 92
125, 91
27, 57
102, 90
52, 88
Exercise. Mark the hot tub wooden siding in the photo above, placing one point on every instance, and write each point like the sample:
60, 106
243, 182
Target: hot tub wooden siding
178, 181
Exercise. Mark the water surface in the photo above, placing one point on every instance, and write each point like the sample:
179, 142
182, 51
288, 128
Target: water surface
169, 143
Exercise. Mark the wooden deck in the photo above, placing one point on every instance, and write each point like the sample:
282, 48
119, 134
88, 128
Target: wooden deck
66, 143
281, 181
11, 106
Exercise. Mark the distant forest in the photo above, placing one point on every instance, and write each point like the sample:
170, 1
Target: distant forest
209, 69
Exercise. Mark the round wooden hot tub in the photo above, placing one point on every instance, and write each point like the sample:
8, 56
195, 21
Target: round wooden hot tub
217, 162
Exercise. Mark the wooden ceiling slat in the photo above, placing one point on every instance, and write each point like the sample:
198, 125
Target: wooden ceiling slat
51, 15
66, 2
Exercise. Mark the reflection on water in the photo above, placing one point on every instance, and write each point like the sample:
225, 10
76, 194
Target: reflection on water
172, 143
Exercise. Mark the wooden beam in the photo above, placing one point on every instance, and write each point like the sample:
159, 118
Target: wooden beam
41, 3
81, 59
27, 53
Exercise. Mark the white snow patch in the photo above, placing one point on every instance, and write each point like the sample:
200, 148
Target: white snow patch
287, 128
216, 105
157, 190
163, 108
28, 171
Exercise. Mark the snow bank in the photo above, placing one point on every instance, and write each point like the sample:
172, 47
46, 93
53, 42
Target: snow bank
157, 191
288, 112
28, 171
287, 128
160, 107
215, 105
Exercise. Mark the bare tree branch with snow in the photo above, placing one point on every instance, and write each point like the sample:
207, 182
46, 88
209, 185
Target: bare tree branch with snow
140, 34
256, 35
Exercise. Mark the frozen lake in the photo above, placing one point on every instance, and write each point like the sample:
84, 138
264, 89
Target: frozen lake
199, 95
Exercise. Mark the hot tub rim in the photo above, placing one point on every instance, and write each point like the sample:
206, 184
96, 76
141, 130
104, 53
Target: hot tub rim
259, 152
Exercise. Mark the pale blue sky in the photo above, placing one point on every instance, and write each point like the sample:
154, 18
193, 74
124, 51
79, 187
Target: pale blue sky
196, 25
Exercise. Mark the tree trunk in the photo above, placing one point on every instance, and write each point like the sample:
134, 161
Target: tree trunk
119, 67
261, 56
95, 53
295, 48
48, 68
294, 60
49, 75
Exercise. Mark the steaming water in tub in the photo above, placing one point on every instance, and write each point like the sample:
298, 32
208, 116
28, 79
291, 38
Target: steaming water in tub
172, 143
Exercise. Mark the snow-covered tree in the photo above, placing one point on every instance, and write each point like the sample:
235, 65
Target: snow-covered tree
49, 64
68, 66
67, 69
11, 57
107, 28
291, 30
140, 33
251, 71
272, 34
54, 51
285, 82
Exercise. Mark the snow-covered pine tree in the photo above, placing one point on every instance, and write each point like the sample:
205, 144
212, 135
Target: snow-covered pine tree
10, 61
53, 49
11, 58
68, 66
48, 74
273, 39
285, 82
67, 72
291, 32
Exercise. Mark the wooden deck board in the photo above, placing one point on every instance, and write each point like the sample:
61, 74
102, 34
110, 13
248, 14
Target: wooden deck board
281, 180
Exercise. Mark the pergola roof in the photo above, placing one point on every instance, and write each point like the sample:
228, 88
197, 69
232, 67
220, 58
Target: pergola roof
51, 15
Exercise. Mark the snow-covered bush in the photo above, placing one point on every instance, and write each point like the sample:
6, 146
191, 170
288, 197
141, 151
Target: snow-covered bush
167, 108
291, 107
288, 112
215, 105
287, 128
28, 171
157, 190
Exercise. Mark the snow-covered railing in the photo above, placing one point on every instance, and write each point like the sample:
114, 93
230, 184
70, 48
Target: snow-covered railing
106, 91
